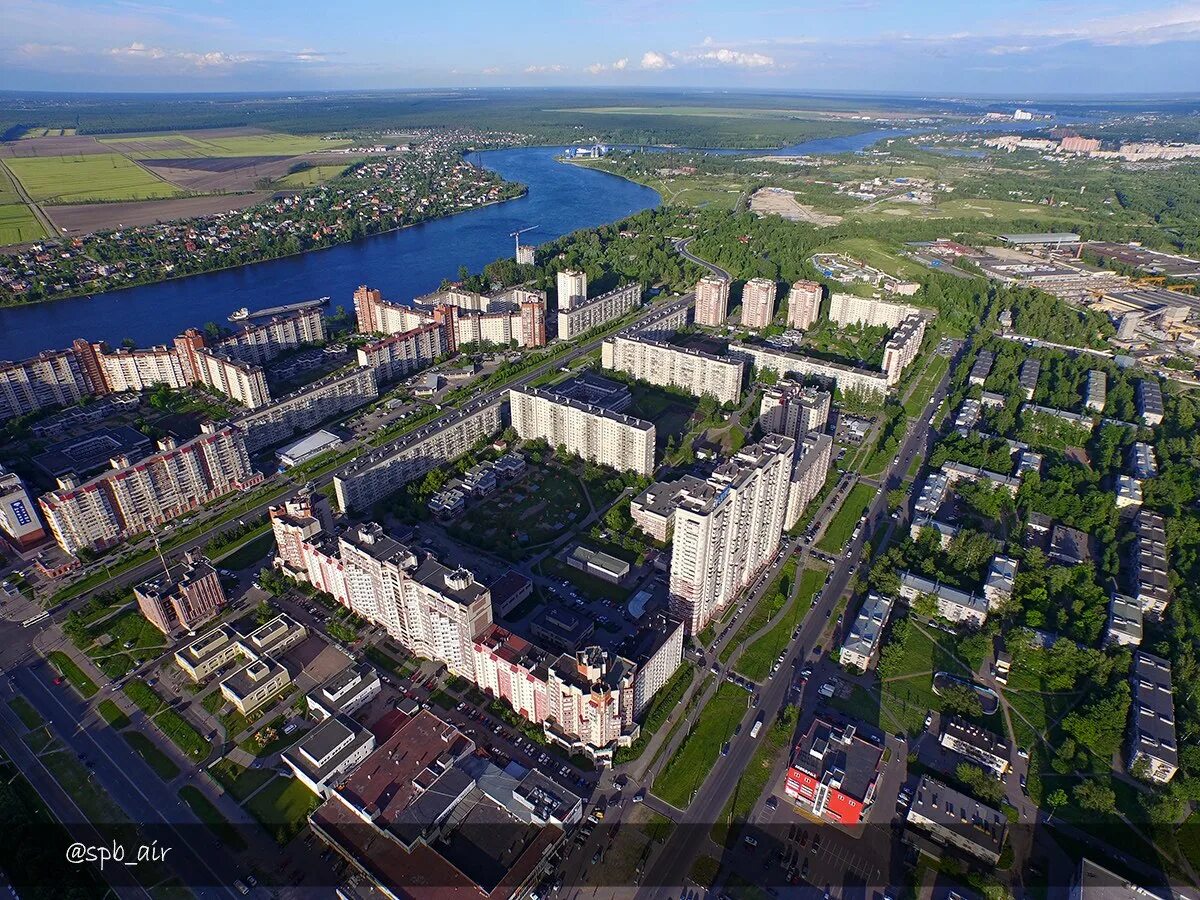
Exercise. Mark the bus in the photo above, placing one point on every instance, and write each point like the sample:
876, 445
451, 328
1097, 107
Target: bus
757, 726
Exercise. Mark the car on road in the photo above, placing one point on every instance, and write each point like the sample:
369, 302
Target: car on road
816, 844
725, 749
772, 802
928, 720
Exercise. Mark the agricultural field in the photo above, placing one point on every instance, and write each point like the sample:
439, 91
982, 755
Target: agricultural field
77, 179
310, 176
18, 224
83, 218
218, 143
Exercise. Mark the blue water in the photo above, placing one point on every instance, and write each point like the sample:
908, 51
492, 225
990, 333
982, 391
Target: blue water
403, 264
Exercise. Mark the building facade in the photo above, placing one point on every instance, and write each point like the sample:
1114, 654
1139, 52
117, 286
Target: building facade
590, 432
183, 597
661, 363
794, 409
712, 300
593, 313
19, 519
758, 303
572, 288
303, 410
850, 309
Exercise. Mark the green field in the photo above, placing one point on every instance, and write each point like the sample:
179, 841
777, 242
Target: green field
687, 769
248, 553
537, 508
282, 807
773, 600
310, 176
87, 178
755, 663
18, 224
180, 146
25, 712
842, 525
162, 764
111, 713
239, 781
208, 813
877, 254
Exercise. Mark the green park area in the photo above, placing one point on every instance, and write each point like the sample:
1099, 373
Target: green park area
756, 661
686, 771
838, 532
177, 729
754, 780
88, 178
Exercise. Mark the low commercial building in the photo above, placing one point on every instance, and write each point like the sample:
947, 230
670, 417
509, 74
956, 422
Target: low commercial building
509, 591
307, 448
658, 362
182, 598
834, 772
953, 818
1150, 402
328, 753
257, 682
561, 629
19, 521
1153, 751
386, 470
589, 314
223, 646
344, 693
976, 744
862, 641
612, 439
954, 605
598, 564
81, 456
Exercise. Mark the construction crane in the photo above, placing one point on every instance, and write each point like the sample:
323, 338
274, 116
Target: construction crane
516, 236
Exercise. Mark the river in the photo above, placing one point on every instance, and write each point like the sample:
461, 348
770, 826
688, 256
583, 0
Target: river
403, 264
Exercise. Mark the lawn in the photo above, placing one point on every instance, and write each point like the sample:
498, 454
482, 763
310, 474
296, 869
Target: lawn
841, 526
239, 781
88, 178
906, 691
162, 764
75, 675
686, 771
625, 858
661, 707
92, 800
755, 663
282, 807
18, 224
249, 553
1035, 705
129, 627
208, 813
877, 254
310, 176
178, 729
773, 600
917, 400
536, 509
111, 713
26, 713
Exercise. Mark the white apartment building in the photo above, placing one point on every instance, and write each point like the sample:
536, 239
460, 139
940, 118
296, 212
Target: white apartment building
140, 370
612, 439
813, 457
758, 303
244, 382
804, 305
262, 342
725, 528
52, 378
303, 410
862, 641
791, 408
712, 300
572, 288
389, 468
849, 309
133, 499
405, 352
902, 348
845, 378
661, 363
592, 313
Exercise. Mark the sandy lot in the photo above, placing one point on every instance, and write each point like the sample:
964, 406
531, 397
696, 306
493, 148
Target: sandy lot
778, 202
86, 217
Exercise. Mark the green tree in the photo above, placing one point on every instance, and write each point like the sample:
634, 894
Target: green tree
1096, 796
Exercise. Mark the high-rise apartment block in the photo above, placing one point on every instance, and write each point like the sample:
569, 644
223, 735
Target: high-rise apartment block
132, 499
813, 457
792, 408
723, 529
902, 348
712, 300
597, 311
303, 410
52, 378
140, 370
591, 432
261, 342
183, 597
405, 352
659, 362
758, 303
386, 470
804, 304
858, 379
514, 316
850, 309
572, 288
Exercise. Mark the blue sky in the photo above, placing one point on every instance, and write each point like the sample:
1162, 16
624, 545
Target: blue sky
943, 47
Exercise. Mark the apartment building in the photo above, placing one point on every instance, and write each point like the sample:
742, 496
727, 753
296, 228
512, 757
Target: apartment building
793, 409
977, 744
862, 641
712, 300
183, 597
1152, 743
656, 651
843, 377
389, 468
804, 305
305, 409
951, 817
1150, 402
241, 381
1124, 627
132, 499
400, 354
1000, 580
810, 469
982, 367
659, 362
19, 521
758, 303
593, 313
572, 288
1153, 588
140, 370
1096, 393
902, 348
850, 309
1028, 375
261, 342
593, 433
726, 528
52, 378
953, 605
834, 772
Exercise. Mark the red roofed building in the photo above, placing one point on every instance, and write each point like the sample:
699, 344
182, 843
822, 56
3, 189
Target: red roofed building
834, 773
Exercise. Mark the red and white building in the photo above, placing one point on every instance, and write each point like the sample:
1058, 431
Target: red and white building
834, 773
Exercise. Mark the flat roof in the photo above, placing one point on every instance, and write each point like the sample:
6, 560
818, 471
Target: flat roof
312, 443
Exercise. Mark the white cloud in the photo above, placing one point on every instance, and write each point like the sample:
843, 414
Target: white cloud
492, 70
655, 61
214, 59
138, 50
727, 57
541, 70
617, 66
35, 50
